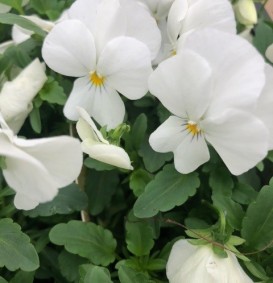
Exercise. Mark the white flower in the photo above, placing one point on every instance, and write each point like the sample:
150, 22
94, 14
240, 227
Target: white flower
37, 168
198, 264
211, 101
186, 16
265, 103
16, 95
104, 59
245, 12
97, 147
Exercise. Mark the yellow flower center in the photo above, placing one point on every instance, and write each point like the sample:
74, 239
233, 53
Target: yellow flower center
173, 52
96, 79
192, 128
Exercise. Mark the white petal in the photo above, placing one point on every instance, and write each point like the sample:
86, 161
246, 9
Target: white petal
16, 96
168, 135
265, 102
110, 23
69, 49
20, 34
81, 95
24, 202
237, 67
190, 154
130, 75
86, 12
86, 128
183, 85
142, 26
61, 156
239, 137
107, 153
107, 107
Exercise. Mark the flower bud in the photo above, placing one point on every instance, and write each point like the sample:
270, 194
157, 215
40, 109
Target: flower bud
245, 12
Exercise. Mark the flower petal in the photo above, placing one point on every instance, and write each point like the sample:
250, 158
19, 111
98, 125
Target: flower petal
69, 49
183, 85
61, 156
24, 202
239, 137
130, 75
168, 135
107, 153
238, 68
142, 26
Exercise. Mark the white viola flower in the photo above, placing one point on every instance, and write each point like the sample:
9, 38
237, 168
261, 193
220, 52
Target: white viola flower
204, 114
16, 96
245, 12
186, 16
104, 60
265, 104
195, 264
37, 168
97, 147
269, 53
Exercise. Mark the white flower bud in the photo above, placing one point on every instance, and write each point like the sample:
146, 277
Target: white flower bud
245, 12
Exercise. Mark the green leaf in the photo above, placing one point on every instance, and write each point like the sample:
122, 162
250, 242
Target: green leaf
2, 280
256, 269
16, 249
244, 193
68, 200
138, 181
11, 19
87, 240
167, 190
263, 37
16, 4
153, 160
257, 228
156, 264
100, 187
35, 120
95, 274
69, 265
97, 165
22, 276
138, 130
52, 92
129, 275
139, 236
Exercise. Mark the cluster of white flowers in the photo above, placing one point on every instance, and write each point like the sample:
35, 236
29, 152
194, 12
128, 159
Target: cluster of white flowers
187, 54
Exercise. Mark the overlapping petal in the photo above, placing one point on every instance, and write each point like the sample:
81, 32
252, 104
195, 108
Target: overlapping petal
69, 49
130, 75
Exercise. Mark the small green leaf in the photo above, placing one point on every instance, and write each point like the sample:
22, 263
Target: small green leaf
138, 181
85, 239
52, 92
138, 130
244, 193
257, 227
68, 200
167, 190
256, 269
139, 236
16, 4
263, 37
95, 274
22, 276
16, 249
98, 165
129, 275
35, 120
12, 19
2, 280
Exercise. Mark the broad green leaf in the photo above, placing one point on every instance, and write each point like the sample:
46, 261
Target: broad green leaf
95, 274
23, 277
52, 92
100, 187
129, 275
69, 265
16, 249
138, 181
68, 200
11, 19
138, 130
139, 236
153, 160
35, 120
257, 228
2, 280
85, 239
167, 190
244, 193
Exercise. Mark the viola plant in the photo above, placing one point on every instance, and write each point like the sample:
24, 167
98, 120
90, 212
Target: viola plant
136, 141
